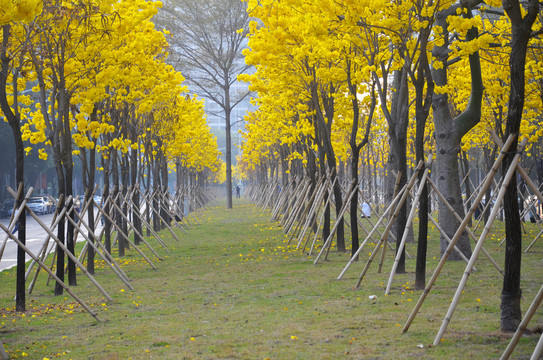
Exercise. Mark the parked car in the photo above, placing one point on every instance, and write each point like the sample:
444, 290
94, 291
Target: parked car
38, 205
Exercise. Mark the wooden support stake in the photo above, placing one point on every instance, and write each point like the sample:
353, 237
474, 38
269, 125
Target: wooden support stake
377, 224
479, 245
454, 240
27, 250
523, 325
406, 231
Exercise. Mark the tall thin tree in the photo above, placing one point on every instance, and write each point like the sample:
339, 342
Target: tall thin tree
207, 43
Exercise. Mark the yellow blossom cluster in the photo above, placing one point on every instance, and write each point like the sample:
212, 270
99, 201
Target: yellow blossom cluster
306, 52
100, 66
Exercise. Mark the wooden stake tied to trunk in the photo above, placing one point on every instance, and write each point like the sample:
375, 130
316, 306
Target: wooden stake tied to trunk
488, 226
454, 240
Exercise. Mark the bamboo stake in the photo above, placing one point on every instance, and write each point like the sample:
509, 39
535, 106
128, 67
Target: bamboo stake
488, 226
298, 208
15, 216
155, 234
283, 203
336, 225
363, 228
321, 220
459, 231
282, 198
164, 195
159, 240
301, 212
523, 325
396, 205
311, 216
387, 231
538, 350
165, 223
70, 255
142, 238
127, 239
174, 203
381, 219
470, 232
289, 204
27, 250
341, 217
110, 262
526, 178
59, 216
406, 232
44, 246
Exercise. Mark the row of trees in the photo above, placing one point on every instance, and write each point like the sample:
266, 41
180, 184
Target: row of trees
90, 79
334, 77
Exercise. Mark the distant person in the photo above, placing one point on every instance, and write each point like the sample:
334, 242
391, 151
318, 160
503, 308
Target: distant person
237, 191
366, 210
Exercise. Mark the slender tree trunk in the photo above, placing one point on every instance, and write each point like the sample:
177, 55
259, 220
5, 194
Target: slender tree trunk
61, 227
88, 174
125, 178
68, 166
521, 28
324, 128
14, 123
354, 202
422, 111
227, 119
90, 211
107, 207
156, 185
135, 194
166, 215
116, 216
147, 202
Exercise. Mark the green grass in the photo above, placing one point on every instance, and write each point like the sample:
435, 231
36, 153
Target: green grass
232, 289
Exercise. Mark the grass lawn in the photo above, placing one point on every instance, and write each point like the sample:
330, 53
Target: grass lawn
232, 289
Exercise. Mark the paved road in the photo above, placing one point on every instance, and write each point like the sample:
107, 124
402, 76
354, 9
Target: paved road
35, 237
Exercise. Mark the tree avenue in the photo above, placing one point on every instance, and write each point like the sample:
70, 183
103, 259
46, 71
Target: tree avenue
100, 90
355, 100
332, 77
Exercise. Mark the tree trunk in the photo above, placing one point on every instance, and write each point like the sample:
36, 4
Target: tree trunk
107, 207
511, 292
324, 126
14, 123
449, 132
398, 151
67, 163
422, 111
88, 174
227, 121
125, 178
115, 195
135, 194
90, 213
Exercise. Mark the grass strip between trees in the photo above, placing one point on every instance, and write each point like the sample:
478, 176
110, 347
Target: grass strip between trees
232, 289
